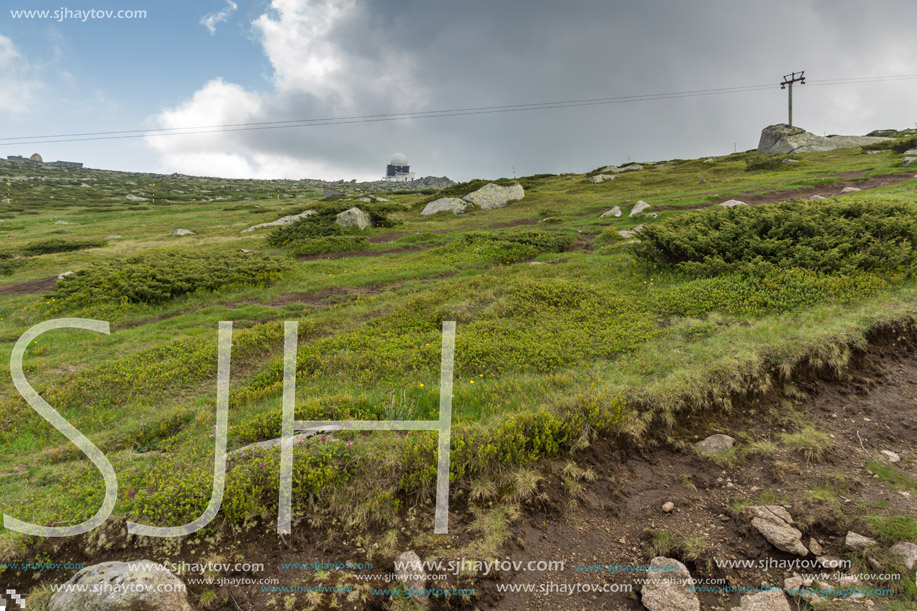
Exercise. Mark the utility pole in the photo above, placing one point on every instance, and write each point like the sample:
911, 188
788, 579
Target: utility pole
788, 80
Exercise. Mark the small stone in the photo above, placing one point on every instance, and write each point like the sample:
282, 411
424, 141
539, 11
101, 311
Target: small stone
64, 275
891, 456
770, 600
182, 232
816, 197
856, 541
668, 507
815, 547
849, 190
732, 203
907, 551
715, 444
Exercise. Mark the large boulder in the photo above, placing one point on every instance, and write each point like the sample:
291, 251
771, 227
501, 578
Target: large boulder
638, 208
353, 217
492, 196
600, 178
775, 523
668, 587
782, 139
147, 586
445, 204
284, 220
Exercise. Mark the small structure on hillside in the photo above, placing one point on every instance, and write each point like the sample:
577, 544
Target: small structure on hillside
36, 158
398, 169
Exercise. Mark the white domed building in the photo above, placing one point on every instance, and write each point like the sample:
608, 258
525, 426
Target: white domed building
398, 169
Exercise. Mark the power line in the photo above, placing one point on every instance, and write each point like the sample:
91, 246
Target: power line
429, 114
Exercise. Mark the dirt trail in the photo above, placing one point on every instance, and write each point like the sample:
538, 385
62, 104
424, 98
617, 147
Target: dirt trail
27, 287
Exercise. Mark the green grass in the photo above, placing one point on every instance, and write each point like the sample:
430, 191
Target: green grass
598, 338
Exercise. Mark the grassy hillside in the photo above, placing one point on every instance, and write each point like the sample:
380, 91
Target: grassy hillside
567, 333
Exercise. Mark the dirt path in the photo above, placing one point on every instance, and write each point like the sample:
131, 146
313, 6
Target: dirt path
27, 287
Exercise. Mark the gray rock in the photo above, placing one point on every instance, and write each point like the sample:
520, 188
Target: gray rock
790, 161
63, 275
910, 152
353, 217
285, 220
409, 571
624, 233
732, 203
782, 139
492, 196
892, 457
815, 197
858, 542
600, 178
874, 152
908, 160
715, 443
143, 589
64, 223
112, 237
639, 207
181, 232
907, 551
849, 190
135, 198
815, 547
445, 204
774, 523
615, 212
703, 181
772, 600
797, 587
668, 590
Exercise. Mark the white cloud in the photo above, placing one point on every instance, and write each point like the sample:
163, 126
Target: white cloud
20, 89
316, 73
210, 21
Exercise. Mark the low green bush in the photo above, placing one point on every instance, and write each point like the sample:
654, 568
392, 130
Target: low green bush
838, 237
766, 162
158, 276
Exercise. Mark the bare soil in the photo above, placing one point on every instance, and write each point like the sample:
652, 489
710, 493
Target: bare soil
27, 287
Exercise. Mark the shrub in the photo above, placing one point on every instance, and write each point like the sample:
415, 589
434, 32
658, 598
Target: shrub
843, 237
766, 162
898, 145
158, 276
53, 245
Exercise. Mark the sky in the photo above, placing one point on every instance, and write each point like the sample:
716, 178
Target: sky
207, 63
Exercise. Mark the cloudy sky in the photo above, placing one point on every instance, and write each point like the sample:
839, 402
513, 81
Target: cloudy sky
218, 62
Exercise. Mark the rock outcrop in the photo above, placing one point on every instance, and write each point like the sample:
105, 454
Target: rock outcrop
615, 212
781, 139
772, 600
492, 196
